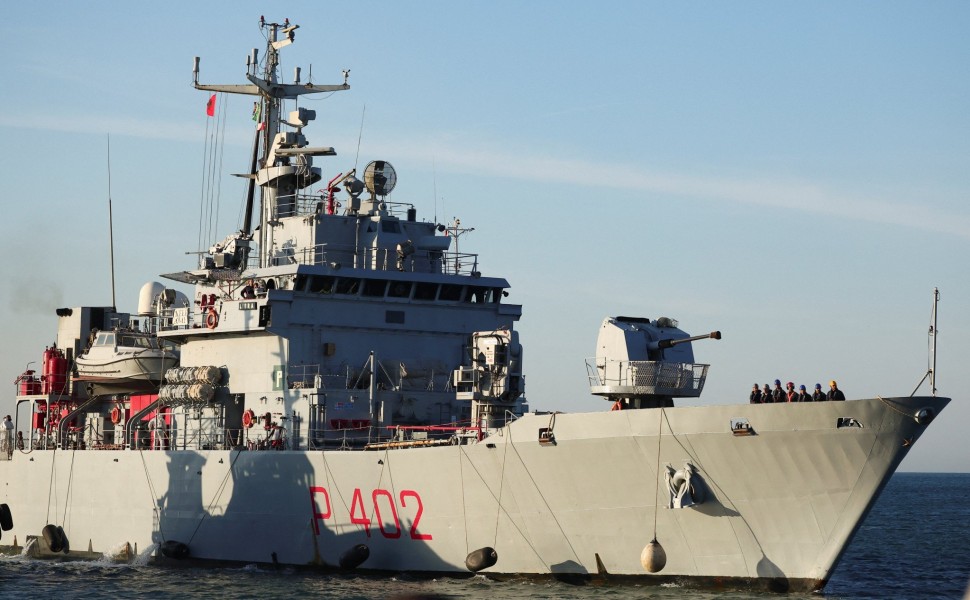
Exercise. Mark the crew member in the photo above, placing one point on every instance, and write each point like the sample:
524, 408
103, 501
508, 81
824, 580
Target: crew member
766, 395
755, 397
835, 393
790, 394
818, 395
803, 395
6, 436
778, 394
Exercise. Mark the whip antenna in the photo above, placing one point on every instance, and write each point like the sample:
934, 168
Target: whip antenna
360, 134
111, 231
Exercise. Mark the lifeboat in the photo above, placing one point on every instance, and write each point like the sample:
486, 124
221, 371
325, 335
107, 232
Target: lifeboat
125, 361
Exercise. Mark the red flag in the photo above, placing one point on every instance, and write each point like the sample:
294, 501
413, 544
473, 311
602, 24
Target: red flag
210, 107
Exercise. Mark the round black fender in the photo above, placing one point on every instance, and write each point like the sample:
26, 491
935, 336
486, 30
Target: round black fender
6, 520
65, 544
354, 557
53, 538
174, 549
482, 558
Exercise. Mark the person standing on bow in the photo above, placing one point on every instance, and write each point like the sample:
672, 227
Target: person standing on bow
835, 393
778, 394
790, 394
755, 397
818, 395
803, 395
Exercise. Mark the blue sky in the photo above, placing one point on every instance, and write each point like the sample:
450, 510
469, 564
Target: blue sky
794, 175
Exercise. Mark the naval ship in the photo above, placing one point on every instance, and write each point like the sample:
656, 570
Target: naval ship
349, 396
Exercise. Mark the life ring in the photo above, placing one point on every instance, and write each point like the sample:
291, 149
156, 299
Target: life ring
248, 418
116, 415
212, 319
617, 406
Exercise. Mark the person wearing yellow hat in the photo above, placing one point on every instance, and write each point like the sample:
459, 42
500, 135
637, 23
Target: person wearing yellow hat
835, 393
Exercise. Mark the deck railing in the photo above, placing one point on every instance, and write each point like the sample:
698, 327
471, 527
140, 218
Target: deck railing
644, 377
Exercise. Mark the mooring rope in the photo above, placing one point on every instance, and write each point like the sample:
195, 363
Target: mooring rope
50, 489
535, 484
70, 480
887, 403
151, 490
461, 486
222, 488
517, 528
656, 493
501, 484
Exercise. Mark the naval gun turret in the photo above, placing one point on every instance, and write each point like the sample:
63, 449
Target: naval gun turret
641, 363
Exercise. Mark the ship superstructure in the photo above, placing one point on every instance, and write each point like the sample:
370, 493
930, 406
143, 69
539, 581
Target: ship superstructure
349, 394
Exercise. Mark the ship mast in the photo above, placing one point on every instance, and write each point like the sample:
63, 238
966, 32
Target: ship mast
277, 178
933, 332
931, 367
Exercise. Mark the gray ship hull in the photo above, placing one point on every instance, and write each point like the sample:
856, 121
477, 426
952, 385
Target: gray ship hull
780, 507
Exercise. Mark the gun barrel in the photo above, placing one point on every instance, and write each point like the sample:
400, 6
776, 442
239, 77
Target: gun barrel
662, 344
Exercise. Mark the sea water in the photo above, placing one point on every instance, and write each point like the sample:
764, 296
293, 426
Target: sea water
914, 544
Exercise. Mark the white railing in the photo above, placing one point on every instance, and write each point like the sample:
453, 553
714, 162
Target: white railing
644, 377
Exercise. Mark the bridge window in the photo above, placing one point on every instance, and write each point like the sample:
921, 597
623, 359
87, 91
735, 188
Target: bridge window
451, 293
426, 291
479, 295
399, 289
347, 286
322, 285
374, 287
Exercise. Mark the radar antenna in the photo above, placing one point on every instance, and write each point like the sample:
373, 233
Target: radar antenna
380, 178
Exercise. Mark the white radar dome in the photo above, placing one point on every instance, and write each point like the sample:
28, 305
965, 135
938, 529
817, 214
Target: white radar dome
146, 298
